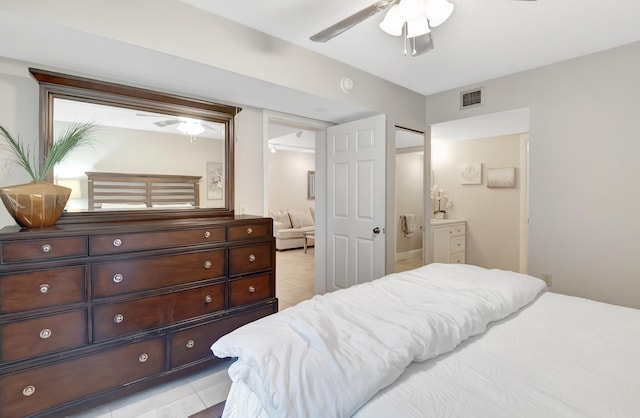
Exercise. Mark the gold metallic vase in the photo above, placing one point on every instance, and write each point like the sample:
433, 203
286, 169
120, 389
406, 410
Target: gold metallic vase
35, 205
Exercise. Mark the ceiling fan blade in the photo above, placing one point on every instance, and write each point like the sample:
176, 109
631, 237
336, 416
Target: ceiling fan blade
421, 44
165, 123
349, 22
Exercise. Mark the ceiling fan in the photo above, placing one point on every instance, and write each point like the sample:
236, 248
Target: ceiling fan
187, 126
412, 19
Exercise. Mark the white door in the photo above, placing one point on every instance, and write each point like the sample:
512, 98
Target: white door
356, 193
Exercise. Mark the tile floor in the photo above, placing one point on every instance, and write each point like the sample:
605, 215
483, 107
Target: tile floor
184, 397
408, 264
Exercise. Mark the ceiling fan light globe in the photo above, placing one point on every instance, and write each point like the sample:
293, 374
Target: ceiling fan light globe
190, 128
392, 22
418, 27
438, 11
411, 9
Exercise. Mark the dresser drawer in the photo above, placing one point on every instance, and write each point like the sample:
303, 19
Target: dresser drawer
457, 258
250, 258
118, 277
41, 289
249, 290
194, 344
34, 337
122, 318
43, 249
239, 232
37, 389
456, 230
457, 244
121, 243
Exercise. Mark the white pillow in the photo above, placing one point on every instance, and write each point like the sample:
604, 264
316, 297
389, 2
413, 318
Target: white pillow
172, 205
282, 216
300, 218
122, 205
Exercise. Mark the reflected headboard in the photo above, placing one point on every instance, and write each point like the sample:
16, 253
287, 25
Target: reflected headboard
136, 191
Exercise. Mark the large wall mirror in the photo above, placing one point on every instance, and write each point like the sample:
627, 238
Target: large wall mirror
155, 155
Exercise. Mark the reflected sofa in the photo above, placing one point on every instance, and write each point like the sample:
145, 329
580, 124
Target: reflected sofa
289, 227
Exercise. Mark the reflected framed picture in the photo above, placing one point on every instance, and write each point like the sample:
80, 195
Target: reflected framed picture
501, 177
470, 173
311, 185
215, 181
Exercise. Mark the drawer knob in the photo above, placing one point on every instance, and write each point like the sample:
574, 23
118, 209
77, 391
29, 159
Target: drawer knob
190, 344
117, 278
29, 390
44, 288
252, 289
207, 234
252, 258
45, 333
117, 242
46, 248
208, 299
249, 231
118, 318
207, 264
143, 357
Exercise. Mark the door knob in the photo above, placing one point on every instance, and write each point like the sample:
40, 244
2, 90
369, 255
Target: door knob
376, 230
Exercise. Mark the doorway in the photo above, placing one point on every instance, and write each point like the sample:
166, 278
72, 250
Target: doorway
289, 160
409, 200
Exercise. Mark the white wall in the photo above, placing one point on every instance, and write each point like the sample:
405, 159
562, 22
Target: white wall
409, 193
584, 147
19, 115
288, 179
492, 215
249, 172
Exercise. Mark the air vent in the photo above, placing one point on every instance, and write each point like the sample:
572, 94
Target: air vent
470, 98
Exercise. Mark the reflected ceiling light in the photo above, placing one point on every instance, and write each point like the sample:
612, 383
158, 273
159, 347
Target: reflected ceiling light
190, 127
413, 18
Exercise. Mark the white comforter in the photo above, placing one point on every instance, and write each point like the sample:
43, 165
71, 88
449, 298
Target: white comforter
327, 356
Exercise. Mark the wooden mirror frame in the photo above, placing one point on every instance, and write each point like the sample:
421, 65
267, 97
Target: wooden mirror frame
55, 85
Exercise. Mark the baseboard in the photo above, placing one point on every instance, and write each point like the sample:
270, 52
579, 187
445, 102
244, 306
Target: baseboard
409, 254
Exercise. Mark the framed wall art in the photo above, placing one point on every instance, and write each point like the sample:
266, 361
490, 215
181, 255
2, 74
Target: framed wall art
501, 177
470, 173
215, 181
311, 185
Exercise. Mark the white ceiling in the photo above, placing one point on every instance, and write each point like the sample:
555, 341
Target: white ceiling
483, 39
73, 111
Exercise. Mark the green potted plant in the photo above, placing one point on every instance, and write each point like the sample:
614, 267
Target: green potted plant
39, 203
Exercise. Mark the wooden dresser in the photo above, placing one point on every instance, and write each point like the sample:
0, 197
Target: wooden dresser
93, 312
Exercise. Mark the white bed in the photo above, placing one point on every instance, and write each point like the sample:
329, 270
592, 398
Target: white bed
439, 341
